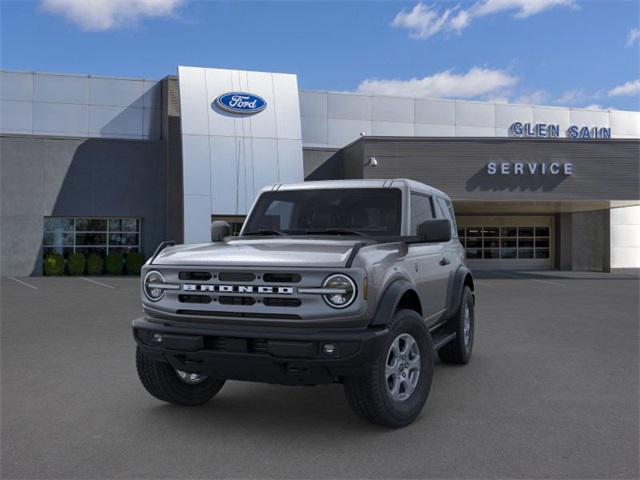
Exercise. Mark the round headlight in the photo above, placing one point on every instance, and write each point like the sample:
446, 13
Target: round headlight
150, 286
345, 292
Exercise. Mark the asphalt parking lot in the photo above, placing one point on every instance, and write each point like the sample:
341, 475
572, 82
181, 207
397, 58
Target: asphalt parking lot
551, 392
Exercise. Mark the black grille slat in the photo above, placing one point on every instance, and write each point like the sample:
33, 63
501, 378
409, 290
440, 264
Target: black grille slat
194, 298
195, 276
228, 300
282, 277
282, 302
236, 277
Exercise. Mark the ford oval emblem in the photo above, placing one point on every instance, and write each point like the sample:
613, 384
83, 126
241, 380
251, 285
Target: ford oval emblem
240, 103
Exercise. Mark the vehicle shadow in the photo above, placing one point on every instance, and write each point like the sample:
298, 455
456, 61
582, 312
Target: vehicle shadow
278, 409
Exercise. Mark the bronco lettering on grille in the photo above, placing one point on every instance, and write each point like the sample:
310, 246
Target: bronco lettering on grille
262, 289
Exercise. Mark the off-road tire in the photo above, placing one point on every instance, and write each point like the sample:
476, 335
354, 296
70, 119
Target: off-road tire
457, 351
367, 392
161, 381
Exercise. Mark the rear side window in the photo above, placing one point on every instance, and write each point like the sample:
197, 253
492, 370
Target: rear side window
445, 210
421, 210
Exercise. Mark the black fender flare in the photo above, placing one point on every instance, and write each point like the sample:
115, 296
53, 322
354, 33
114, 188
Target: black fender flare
456, 287
389, 302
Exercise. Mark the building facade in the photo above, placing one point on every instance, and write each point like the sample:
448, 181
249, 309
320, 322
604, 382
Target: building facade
102, 164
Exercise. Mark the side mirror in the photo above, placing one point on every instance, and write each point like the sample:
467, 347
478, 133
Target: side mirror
437, 230
219, 230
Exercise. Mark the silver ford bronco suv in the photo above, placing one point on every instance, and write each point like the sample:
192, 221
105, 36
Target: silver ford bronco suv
357, 282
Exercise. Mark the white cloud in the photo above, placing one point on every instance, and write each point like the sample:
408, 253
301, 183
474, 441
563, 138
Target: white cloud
100, 15
423, 21
475, 83
629, 88
633, 36
538, 97
595, 106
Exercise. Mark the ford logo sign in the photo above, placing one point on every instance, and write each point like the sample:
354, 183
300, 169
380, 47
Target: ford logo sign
240, 103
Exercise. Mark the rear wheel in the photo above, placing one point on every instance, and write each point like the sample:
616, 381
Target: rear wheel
393, 389
458, 350
175, 386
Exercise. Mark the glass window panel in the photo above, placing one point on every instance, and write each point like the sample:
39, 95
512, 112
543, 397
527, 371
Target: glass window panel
116, 239
91, 239
525, 243
491, 243
508, 253
542, 242
525, 253
508, 231
542, 253
420, 211
115, 225
461, 232
491, 253
123, 225
447, 212
58, 237
58, 223
508, 243
525, 232
490, 232
474, 253
133, 225
87, 250
474, 232
474, 242
542, 231
91, 225
123, 250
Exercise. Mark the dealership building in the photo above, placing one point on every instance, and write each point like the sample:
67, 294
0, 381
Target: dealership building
106, 164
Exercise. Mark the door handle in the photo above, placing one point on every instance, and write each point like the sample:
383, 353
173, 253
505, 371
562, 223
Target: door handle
444, 261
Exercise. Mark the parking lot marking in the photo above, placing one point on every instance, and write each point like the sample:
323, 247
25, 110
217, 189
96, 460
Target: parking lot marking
24, 283
98, 283
549, 282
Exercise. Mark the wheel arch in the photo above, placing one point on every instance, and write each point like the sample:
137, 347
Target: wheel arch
461, 279
399, 294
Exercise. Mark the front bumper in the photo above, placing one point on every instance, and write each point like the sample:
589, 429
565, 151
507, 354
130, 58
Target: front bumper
284, 356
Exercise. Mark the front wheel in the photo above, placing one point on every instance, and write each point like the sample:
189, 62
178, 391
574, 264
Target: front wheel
175, 386
392, 390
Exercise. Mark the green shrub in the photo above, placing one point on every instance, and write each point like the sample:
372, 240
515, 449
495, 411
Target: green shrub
133, 263
113, 263
53, 264
95, 264
76, 263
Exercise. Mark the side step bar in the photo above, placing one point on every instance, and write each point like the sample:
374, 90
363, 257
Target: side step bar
440, 338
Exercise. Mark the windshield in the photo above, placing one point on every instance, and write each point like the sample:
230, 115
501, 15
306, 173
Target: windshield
357, 211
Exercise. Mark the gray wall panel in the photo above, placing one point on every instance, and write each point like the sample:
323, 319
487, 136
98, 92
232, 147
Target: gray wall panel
44, 176
603, 170
80, 106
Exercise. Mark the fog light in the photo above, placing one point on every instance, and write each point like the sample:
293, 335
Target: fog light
157, 338
329, 348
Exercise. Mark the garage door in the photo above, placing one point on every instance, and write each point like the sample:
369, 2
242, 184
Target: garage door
510, 243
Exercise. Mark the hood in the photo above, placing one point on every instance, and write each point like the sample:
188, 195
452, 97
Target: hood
259, 252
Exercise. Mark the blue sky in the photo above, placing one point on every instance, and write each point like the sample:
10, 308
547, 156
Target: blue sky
559, 52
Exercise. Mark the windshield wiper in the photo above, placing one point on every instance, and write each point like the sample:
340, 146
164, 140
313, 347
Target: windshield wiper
336, 231
265, 232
